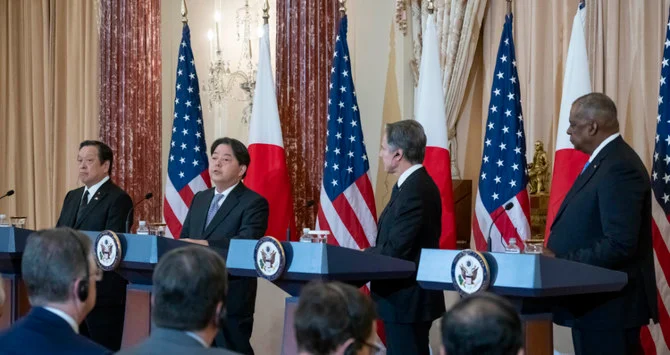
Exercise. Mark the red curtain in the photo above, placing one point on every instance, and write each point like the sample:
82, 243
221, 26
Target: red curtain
130, 98
306, 31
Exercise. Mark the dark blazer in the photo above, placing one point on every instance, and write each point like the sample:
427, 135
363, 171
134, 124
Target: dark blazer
163, 341
107, 210
410, 222
42, 332
243, 215
605, 220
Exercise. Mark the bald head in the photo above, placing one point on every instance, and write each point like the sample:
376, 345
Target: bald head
593, 118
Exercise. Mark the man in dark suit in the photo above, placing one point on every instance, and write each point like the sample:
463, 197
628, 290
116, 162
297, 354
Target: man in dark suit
59, 273
100, 205
605, 220
188, 304
217, 215
409, 223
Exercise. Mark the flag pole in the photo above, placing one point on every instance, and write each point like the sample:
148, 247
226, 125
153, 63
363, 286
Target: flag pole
431, 7
343, 8
509, 6
184, 12
266, 12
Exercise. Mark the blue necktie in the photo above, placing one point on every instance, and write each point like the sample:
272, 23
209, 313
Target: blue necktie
213, 207
585, 166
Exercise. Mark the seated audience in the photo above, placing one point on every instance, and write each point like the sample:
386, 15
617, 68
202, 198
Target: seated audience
335, 318
60, 274
484, 324
188, 303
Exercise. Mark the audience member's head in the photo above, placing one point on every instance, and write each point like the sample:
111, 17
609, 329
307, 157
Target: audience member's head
59, 272
189, 291
482, 324
335, 318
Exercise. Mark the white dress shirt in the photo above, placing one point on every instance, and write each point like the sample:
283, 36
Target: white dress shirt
602, 145
408, 172
93, 189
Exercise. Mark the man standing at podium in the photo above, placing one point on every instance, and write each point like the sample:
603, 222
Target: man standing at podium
217, 215
409, 223
100, 205
605, 220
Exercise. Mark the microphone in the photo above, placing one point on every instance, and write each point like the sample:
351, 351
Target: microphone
9, 193
508, 206
307, 205
130, 213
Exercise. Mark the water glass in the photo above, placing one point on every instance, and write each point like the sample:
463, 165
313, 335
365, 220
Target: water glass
4, 221
18, 222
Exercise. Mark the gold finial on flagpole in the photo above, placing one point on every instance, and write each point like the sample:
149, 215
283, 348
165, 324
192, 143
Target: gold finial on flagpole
184, 12
431, 6
509, 6
266, 12
343, 9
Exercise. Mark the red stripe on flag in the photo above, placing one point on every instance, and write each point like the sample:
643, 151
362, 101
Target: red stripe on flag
568, 164
186, 195
438, 165
480, 241
350, 220
171, 220
524, 202
365, 187
663, 258
647, 342
323, 225
663, 319
506, 227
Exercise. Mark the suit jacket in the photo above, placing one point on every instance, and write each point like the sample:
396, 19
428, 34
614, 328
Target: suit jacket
243, 215
107, 210
410, 222
42, 332
605, 220
164, 341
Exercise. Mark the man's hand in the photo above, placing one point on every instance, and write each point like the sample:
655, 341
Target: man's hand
548, 252
195, 241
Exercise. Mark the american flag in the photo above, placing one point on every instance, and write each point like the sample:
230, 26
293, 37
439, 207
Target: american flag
187, 163
656, 338
503, 175
347, 203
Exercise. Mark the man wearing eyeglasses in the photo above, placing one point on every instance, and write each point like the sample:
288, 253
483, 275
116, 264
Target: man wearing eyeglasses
60, 276
335, 318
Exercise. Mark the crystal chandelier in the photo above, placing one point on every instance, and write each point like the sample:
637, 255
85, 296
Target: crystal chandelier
223, 84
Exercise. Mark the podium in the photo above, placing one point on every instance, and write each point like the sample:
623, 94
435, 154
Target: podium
315, 261
12, 244
532, 282
140, 256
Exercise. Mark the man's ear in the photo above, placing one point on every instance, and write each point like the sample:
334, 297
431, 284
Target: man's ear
343, 347
243, 170
592, 128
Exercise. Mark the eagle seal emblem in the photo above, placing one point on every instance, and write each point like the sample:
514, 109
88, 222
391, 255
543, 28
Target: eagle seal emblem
269, 258
470, 272
108, 252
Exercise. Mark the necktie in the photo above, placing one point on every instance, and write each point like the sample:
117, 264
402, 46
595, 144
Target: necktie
585, 166
82, 205
213, 207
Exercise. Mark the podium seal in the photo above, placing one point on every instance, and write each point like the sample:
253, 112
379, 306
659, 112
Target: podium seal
470, 272
107, 250
269, 258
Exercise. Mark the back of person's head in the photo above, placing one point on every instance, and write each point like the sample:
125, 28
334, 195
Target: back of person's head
409, 136
600, 108
54, 260
331, 314
484, 324
189, 284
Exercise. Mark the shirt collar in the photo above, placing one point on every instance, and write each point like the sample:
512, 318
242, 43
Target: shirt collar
602, 145
66, 317
408, 172
93, 189
197, 337
227, 191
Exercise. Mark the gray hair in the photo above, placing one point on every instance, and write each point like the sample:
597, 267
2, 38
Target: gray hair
53, 260
409, 136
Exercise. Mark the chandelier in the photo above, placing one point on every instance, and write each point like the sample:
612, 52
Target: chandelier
222, 83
